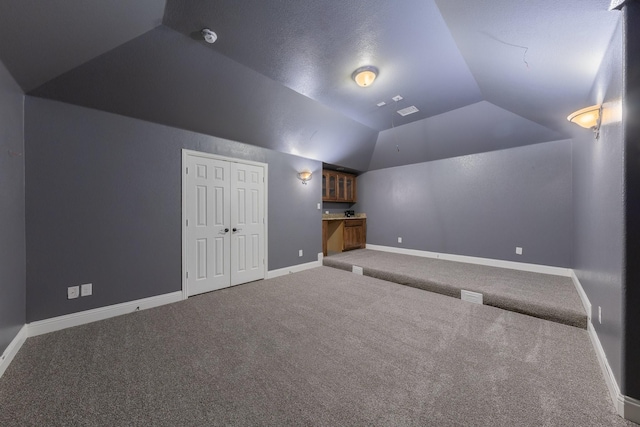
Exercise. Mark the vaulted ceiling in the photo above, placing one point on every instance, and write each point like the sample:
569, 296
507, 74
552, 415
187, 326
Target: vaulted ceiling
279, 76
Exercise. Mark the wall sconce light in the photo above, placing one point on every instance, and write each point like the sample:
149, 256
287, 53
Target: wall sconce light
588, 118
364, 76
304, 177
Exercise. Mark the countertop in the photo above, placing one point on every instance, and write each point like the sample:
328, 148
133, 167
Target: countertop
340, 217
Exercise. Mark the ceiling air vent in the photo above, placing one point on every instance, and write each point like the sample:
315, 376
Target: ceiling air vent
408, 110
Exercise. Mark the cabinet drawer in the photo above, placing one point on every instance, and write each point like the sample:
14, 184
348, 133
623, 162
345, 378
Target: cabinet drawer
353, 222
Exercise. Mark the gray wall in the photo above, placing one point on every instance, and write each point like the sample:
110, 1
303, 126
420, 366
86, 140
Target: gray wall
12, 237
476, 128
598, 196
631, 355
481, 205
165, 77
103, 205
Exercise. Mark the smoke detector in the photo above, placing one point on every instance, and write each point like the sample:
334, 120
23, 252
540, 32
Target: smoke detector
209, 36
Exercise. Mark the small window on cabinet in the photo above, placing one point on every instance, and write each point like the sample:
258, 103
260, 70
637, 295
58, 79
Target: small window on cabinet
332, 187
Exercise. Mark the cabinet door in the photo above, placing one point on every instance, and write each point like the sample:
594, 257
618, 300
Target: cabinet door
325, 185
342, 195
350, 188
329, 184
354, 234
332, 195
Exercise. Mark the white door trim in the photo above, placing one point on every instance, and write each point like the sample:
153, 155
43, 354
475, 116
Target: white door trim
185, 154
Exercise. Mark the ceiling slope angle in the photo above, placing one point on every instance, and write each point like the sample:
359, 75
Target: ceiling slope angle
537, 59
473, 129
40, 40
167, 78
314, 47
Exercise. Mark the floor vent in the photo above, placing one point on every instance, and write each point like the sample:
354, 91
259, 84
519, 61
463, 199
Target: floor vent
473, 297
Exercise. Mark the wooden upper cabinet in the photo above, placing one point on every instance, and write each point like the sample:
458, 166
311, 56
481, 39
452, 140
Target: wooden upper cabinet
338, 187
329, 186
350, 188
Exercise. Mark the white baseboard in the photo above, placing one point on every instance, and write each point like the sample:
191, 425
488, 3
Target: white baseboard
295, 268
522, 266
625, 406
582, 294
12, 349
630, 408
75, 319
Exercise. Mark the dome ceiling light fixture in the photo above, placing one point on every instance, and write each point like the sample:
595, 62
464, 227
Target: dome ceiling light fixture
364, 76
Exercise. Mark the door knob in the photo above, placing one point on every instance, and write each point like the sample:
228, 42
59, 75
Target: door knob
236, 229
226, 230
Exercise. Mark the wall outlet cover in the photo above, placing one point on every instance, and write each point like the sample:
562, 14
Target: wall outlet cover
357, 270
300, 252
399, 239
518, 250
73, 292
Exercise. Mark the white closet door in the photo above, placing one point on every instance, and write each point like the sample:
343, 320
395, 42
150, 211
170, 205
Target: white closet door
208, 237
224, 229
247, 223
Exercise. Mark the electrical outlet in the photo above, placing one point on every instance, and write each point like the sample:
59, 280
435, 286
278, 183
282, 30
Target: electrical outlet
300, 252
73, 292
399, 239
600, 315
319, 206
86, 290
518, 250
357, 270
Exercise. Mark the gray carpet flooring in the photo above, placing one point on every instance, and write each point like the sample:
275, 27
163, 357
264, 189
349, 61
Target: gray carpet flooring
540, 295
320, 347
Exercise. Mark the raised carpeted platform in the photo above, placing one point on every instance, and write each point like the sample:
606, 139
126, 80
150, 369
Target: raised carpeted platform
322, 347
540, 295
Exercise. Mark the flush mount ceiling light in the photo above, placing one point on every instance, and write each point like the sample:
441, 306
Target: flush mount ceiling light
364, 76
588, 118
304, 177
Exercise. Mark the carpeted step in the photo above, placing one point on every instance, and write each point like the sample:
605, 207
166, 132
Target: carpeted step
539, 295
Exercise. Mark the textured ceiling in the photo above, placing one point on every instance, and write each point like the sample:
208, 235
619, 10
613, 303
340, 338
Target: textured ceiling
537, 59
40, 40
314, 47
279, 75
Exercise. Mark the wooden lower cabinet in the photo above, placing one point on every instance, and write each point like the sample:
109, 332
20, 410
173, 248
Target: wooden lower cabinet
354, 234
343, 235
